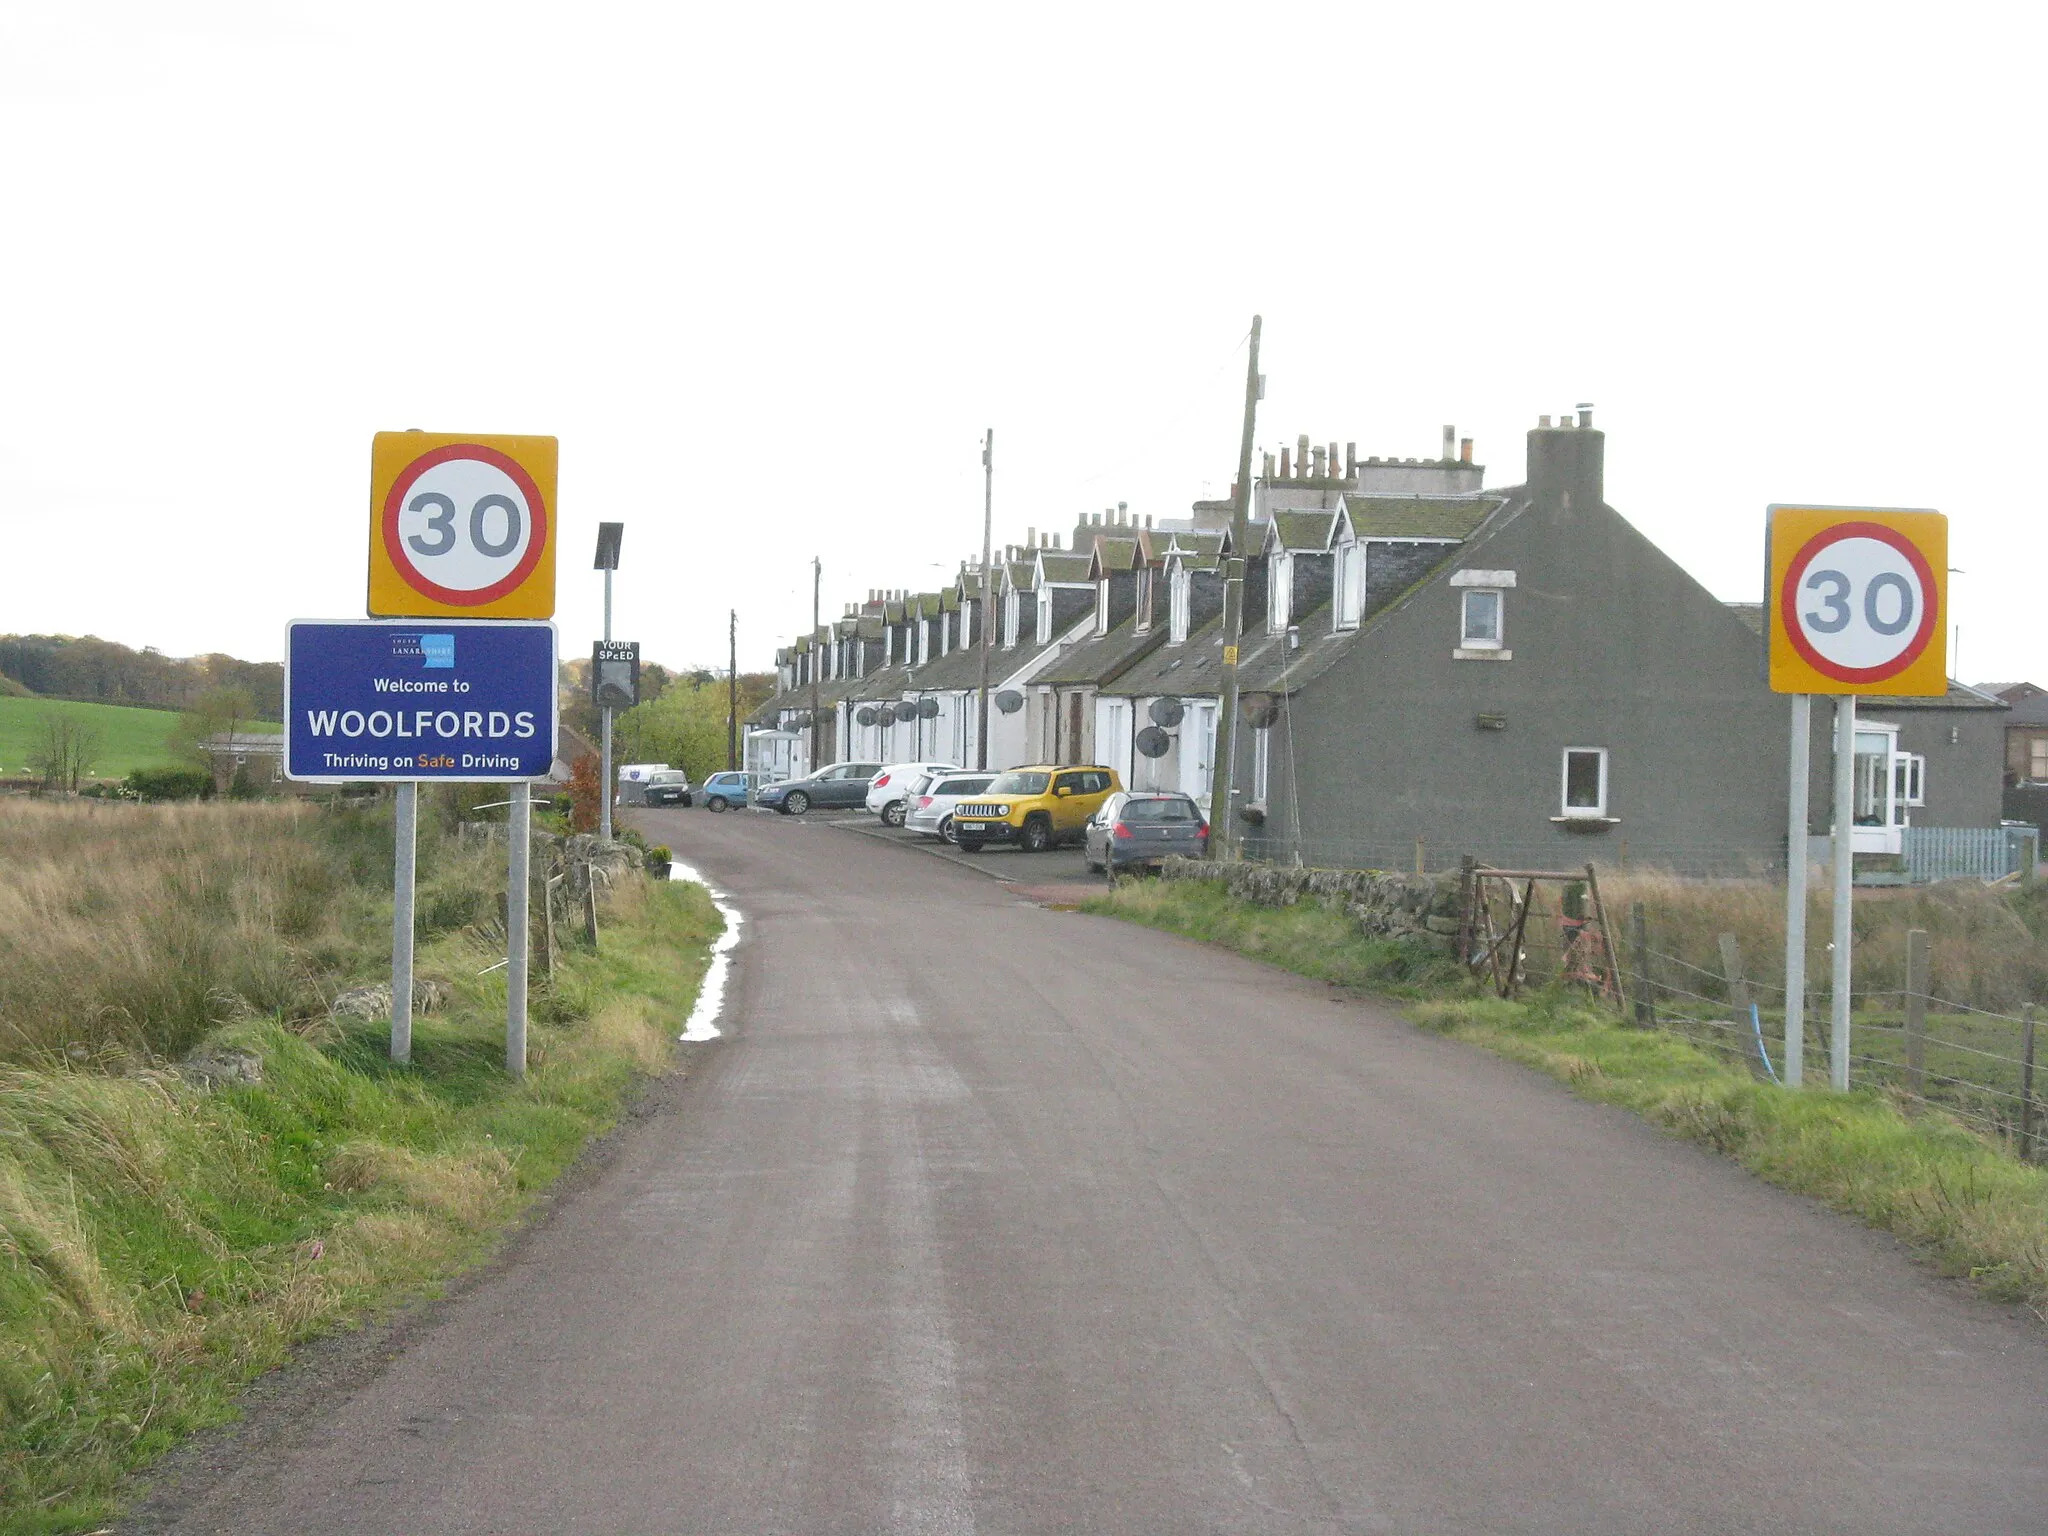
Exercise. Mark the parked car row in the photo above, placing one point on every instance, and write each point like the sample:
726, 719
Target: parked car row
1033, 808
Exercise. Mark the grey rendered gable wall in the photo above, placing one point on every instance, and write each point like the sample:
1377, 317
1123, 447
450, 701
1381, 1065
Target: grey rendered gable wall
1613, 646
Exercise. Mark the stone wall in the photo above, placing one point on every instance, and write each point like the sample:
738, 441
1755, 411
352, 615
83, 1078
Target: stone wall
1421, 908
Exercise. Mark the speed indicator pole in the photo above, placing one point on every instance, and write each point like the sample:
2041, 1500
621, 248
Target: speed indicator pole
1857, 603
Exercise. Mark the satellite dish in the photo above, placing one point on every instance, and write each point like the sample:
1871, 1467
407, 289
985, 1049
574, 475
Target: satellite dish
1166, 713
1260, 709
1153, 742
1009, 701
928, 708
866, 714
886, 715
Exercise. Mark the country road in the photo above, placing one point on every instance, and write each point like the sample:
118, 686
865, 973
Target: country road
985, 1217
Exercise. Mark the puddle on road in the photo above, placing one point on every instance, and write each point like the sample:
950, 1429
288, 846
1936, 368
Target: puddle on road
703, 1023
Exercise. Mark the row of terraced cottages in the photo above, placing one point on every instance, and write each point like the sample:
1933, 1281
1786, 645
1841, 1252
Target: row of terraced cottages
1429, 668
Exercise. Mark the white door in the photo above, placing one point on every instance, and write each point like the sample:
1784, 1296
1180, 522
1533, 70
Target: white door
1113, 736
1880, 812
1197, 749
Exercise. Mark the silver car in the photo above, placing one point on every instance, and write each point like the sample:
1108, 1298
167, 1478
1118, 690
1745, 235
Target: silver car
1137, 830
933, 797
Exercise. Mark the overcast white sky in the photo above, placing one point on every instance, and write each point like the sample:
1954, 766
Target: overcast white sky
767, 272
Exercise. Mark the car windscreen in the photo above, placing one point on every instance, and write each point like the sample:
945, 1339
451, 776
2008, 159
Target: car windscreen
971, 786
1019, 784
1159, 810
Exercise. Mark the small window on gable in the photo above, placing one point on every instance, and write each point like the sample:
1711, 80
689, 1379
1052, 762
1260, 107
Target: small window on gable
1102, 606
1585, 781
1013, 612
1280, 591
1483, 619
1045, 616
1180, 595
924, 641
1910, 769
1143, 621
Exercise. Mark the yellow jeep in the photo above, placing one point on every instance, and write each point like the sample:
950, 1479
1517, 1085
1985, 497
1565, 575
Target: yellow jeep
1034, 807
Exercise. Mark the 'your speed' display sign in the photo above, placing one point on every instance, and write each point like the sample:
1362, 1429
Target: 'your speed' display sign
462, 527
1858, 601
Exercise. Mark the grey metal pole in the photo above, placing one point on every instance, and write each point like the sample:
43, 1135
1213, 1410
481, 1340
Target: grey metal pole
1223, 754
1845, 823
519, 834
403, 866
1795, 889
604, 816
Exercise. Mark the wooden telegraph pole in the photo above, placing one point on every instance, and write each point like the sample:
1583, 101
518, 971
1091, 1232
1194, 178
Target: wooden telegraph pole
988, 591
732, 689
1221, 832
817, 572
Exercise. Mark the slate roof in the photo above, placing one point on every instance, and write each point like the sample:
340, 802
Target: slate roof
1114, 553
1198, 551
1023, 575
1104, 658
1301, 530
1064, 567
1959, 695
1419, 517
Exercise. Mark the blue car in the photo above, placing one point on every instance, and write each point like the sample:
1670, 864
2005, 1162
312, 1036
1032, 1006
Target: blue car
723, 791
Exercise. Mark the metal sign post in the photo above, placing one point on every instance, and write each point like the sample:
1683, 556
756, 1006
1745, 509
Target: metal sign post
1856, 602
519, 834
609, 536
402, 871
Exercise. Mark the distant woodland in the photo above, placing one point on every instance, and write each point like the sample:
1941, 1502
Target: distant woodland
105, 672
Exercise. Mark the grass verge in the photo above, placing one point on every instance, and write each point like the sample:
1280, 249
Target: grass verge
1962, 1201
161, 1245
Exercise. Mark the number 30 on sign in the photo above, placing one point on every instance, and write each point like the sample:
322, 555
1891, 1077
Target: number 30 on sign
462, 527
1858, 601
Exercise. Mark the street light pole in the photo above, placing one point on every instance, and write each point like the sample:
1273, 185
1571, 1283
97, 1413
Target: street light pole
1221, 831
609, 536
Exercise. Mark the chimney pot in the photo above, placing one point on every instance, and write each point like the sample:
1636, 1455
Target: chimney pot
1350, 460
1319, 463
1301, 456
1585, 413
1542, 421
1464, 450
1450, 440
1055, 541
1286, 465
1030, 537
1269, 466
1564, 421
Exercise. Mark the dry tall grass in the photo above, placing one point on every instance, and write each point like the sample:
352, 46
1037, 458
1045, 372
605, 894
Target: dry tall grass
130, 931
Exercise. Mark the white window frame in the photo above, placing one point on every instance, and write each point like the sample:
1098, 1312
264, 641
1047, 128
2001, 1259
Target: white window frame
1262, 755
1180, 602
1467, 640
1566, 809
1013, 616
1044, 615
2037, 758
1102, 606
924, 641
1349, 584
1910, 771
1143, 622
1279, 591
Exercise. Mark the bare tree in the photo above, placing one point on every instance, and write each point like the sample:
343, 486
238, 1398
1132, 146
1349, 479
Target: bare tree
65, 752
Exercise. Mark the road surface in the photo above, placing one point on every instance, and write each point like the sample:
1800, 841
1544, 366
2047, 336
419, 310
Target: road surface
993, 1218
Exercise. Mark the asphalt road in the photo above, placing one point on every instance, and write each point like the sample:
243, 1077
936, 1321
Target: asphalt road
988, 1217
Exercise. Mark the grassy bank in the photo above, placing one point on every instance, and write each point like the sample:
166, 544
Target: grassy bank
1963, 1201
162, 1243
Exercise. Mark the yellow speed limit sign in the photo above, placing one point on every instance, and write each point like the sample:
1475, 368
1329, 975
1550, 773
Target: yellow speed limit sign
462, 526
1858, 601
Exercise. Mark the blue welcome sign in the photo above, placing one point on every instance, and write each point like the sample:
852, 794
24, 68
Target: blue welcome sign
449, 699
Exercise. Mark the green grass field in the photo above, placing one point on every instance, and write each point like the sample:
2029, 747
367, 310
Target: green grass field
129, 738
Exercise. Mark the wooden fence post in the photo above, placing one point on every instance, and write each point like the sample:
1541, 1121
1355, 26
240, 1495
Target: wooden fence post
547, 917
1612, 955
1639, 941
2027, 1084
1916, 1012
1466, 881
1738, 984
590, 905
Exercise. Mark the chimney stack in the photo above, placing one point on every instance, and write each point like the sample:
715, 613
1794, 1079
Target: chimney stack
1450, 442
1464, 450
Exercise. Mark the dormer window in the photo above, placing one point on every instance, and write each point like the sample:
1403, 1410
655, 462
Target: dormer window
1013, 614
1350, 584
1143, 622
945, 634
1180, 594
1279, 591
1102, 606
924, 641
1044, 615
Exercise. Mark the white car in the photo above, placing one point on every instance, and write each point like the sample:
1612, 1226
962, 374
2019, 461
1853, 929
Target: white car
933, 797
889, 794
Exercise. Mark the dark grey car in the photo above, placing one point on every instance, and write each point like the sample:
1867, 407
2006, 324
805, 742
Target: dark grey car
1137, 830
841, 784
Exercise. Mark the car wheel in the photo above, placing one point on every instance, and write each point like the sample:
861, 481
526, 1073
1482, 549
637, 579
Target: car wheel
894, 812
797, 803
968, 844
1037, 835
686, 802
715, 803
946, 830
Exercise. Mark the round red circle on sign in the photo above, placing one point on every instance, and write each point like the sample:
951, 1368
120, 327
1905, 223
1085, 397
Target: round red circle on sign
411, 575
1788, 602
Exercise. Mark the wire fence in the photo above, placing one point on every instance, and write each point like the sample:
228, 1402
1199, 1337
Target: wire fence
1925, 1050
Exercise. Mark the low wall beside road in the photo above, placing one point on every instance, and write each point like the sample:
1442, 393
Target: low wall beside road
1384, 904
